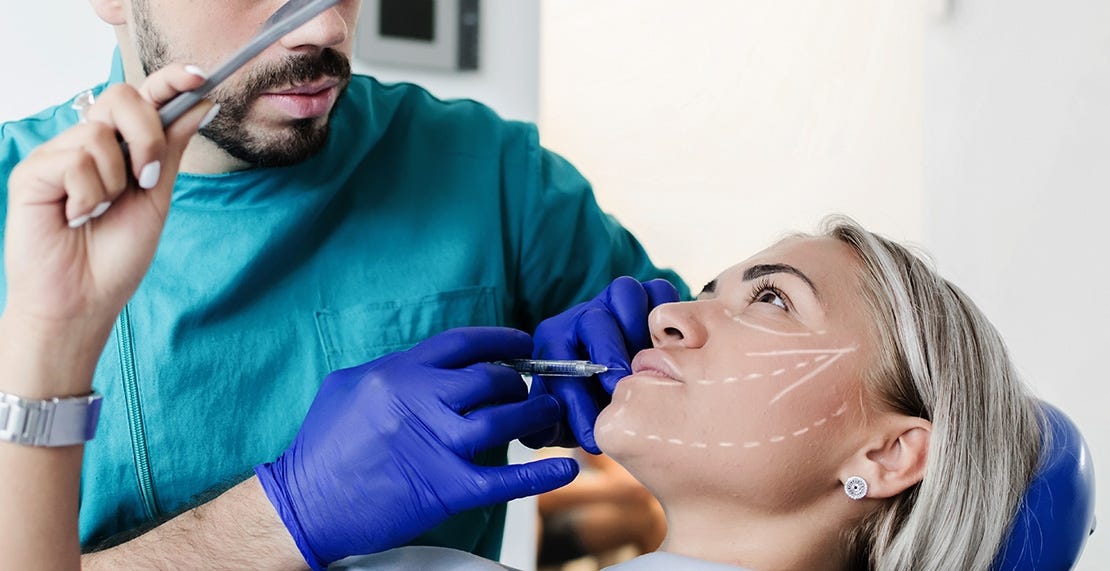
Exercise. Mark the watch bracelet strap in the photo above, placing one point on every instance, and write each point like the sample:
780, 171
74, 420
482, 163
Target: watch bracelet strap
50, 422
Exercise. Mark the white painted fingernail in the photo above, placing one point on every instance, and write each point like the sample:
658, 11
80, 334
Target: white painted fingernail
150, 174
194, 70
101, 209
215, 110
79, 221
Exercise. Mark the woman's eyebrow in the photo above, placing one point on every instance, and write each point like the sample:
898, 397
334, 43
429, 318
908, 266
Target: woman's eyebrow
766, 269
709, 287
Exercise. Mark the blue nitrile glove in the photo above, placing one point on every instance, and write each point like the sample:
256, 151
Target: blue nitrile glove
607, 330
385, 451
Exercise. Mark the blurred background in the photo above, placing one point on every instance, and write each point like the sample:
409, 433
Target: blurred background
975, 128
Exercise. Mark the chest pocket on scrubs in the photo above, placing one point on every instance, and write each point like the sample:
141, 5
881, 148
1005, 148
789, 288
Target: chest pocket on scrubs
354, 335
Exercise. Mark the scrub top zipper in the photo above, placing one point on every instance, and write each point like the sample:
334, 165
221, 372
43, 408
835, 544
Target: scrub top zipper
126, 341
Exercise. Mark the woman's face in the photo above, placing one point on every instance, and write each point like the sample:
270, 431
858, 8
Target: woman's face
756, 387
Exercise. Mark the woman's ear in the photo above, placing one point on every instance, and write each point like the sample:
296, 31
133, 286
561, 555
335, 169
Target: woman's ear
113, 12
894, 460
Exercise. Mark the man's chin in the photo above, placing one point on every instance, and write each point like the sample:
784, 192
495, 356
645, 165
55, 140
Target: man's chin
268, 146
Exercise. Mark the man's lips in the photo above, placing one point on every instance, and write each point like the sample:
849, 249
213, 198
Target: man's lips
312, 88
655, 363
305, 101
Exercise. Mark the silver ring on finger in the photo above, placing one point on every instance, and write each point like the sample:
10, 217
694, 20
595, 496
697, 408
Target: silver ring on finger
81, 105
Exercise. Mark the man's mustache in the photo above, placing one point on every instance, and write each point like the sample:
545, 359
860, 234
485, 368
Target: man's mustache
296, 70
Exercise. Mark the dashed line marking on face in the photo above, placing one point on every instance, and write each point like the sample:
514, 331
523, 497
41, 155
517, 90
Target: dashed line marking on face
749, 444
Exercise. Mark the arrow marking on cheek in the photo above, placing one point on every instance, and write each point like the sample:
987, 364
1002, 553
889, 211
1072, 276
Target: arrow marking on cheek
835, 354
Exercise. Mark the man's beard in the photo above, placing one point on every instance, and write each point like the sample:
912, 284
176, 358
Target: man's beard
229, 130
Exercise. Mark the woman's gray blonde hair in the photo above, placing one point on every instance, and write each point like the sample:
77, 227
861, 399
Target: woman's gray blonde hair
939, 358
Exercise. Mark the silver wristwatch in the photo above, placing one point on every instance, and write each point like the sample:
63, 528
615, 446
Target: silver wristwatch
51, 422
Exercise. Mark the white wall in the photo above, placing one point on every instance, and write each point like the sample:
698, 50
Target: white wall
507, 79
53, 50
1017, 131
710, 127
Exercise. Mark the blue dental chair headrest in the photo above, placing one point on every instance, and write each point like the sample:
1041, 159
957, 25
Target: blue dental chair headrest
1058, 511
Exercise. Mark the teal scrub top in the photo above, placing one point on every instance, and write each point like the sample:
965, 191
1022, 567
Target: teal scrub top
419, 215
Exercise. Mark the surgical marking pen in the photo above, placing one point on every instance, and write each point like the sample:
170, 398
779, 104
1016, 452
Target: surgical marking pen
553, 368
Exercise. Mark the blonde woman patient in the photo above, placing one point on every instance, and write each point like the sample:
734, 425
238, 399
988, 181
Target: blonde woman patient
829, 403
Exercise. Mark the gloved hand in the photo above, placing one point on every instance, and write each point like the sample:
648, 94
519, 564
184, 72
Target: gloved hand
606, 330
385, 451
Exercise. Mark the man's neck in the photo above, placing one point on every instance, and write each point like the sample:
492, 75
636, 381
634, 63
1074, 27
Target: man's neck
714, 531
202, 156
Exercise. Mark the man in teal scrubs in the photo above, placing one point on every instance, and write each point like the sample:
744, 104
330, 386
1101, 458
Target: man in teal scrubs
321, 221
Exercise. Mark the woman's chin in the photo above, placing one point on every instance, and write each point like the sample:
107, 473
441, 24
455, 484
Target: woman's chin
616, 433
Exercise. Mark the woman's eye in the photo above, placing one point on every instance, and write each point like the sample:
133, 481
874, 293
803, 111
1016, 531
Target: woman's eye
768, 296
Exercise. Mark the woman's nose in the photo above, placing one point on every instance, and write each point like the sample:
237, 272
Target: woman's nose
677, 324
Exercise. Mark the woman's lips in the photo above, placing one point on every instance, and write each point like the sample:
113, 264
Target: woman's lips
655, 363
305, 101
